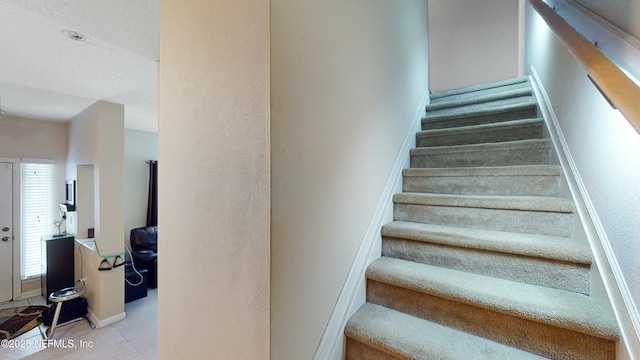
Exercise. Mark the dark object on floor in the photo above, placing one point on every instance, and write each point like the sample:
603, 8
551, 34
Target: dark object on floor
144, 249
135, 287
16, 321
71, 310
58, 257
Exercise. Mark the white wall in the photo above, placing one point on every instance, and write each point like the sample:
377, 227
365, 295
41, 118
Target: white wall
621, 47
472, 42
623, 13
139, 146
96, 137
214, 180
347, 78
604, 149
84, 216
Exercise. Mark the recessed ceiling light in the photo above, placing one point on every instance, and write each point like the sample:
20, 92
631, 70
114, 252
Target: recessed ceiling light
74, 35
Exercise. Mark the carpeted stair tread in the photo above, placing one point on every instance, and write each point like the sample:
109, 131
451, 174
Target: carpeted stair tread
551, 261
480, 97
541, 215
475, 88
506, 153
469, 148
484, 258
474, 111
480, 127
473, 96
472, 108
515, 170
553, 307
492, 132
548, 247
523, 203
404, 336
532, 180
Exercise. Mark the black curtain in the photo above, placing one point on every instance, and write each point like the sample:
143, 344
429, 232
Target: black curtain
152, 206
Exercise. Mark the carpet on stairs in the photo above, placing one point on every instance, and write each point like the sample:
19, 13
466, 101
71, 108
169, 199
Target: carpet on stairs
482, 260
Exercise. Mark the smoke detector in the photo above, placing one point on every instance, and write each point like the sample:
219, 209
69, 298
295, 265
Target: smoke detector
76, 36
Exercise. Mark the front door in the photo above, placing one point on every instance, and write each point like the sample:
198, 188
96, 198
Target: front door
6, 231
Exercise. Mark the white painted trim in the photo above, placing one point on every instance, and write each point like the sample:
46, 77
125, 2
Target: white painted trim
521, 35
37, 161
106, 322
615, 285
15, 246
352, 295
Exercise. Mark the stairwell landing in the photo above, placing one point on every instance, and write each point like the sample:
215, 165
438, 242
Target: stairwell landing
483, 259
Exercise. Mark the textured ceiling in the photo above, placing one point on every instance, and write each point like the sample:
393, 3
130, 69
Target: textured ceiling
45, 75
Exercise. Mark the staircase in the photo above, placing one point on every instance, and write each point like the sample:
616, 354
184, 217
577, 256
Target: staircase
481, 261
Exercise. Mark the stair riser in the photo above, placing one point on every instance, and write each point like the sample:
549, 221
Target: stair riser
489, 157
537, 271
431, 123
528, 222
355, 350
480, 136
484, 185
539, 338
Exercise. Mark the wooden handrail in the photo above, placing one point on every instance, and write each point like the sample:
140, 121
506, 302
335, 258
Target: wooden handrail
614, 84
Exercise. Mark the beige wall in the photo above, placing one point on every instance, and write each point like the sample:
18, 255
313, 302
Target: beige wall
31, 138
472, 42
214, 180
139, 146
347, 80
96, 137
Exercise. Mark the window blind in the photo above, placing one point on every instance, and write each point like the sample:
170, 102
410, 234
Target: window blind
36, 215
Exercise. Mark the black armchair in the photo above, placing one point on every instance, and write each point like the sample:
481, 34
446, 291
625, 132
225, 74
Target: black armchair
144, 249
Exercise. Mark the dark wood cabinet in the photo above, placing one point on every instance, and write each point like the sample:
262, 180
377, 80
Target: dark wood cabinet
57, 263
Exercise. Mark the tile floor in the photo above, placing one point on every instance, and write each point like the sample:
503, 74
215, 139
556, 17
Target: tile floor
135, 337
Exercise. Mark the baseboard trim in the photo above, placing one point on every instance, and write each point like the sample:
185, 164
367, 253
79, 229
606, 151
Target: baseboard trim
105, 322
615, 285
353, 295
